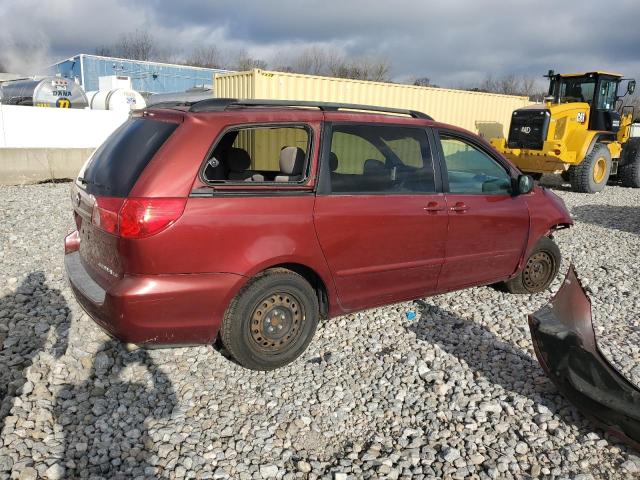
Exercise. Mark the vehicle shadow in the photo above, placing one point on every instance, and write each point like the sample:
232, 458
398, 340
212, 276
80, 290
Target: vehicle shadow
618, 217
500, 363
105, 418
27, 317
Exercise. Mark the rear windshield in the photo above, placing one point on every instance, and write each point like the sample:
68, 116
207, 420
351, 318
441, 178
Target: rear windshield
116, 165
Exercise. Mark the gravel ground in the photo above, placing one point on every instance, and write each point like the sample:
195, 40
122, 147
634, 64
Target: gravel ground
454, 393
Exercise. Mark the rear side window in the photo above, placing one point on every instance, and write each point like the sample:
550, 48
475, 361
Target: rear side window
380, 159
260, 154
116, 165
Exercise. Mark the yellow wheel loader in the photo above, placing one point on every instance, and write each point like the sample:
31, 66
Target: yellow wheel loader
578, 132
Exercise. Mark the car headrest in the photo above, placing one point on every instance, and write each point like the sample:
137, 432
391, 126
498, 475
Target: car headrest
237, 159
333, 161
291, 160
372, 167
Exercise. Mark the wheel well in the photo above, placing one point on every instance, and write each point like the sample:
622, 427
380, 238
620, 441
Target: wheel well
314, 280
555, 228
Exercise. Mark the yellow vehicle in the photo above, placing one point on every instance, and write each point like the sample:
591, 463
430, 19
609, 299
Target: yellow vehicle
578, 132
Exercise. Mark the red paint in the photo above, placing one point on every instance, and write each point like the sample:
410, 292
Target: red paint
168, 279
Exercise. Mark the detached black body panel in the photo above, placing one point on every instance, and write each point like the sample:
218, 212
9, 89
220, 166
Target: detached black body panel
565, 344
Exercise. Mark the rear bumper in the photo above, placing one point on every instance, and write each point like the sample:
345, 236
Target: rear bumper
155, 310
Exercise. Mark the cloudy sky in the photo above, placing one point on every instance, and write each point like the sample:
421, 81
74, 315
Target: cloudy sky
453, 42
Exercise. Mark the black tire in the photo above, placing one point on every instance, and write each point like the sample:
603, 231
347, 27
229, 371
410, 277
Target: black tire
539, 270
271, 320
535, 175
566, 175
583, 176
629, 171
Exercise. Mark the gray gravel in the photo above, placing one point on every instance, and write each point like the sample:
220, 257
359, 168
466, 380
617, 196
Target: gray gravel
454, 393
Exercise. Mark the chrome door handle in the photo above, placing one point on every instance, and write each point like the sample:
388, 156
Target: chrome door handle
459, 207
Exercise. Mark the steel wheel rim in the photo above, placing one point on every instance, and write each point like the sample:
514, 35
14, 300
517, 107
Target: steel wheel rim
599, 170
276, 322
538, 270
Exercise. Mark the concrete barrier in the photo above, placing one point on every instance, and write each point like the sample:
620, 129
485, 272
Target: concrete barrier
37, 127
19, 166
40, 144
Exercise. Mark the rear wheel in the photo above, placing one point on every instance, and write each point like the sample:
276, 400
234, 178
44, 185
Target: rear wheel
539, 270
592, 174
629, 171
271, 321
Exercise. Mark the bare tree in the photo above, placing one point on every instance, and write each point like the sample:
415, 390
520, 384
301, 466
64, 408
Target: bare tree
363, 68
421, 82
207, 56
104, 51
245, 62
138, 45
329, 62
312, 61
511, 84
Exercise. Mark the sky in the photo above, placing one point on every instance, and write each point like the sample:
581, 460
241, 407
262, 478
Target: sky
456, 43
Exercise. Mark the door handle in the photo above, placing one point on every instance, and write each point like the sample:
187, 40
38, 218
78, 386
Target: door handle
433, 207
459, 207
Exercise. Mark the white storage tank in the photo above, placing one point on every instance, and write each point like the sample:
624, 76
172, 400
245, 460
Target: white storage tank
90, 96
120, 99
635, 129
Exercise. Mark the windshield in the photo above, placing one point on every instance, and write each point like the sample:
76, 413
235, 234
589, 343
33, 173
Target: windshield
576, 89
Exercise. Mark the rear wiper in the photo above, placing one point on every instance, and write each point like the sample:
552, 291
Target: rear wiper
84, 181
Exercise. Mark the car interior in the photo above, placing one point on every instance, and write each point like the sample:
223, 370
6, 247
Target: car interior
353, 172
273, 160
472, 171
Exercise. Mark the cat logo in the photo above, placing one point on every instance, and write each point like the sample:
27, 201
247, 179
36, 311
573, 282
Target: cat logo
581, 117
526, 130
63, 103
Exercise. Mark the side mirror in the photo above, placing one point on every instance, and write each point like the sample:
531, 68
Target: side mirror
525, 184
631, 87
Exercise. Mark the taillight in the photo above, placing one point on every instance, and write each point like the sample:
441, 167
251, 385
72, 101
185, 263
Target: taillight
143, 217
136, 217
105, 213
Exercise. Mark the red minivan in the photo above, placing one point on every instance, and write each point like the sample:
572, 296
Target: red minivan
250, 220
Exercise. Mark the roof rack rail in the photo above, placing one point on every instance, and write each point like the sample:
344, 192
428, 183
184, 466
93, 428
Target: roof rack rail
170, 104
222, 104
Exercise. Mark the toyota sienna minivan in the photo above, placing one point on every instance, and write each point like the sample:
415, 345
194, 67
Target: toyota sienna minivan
248, 221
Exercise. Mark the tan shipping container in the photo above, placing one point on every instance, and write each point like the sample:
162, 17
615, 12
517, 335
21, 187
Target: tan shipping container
488, 114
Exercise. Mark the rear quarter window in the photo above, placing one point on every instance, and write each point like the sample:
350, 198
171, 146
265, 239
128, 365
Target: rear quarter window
116, 165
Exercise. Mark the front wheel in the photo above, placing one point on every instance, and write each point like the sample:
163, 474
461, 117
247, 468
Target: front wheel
271, 321
591, 175
539, 270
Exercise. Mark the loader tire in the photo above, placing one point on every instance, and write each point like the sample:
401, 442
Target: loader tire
592, 174
629, 171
